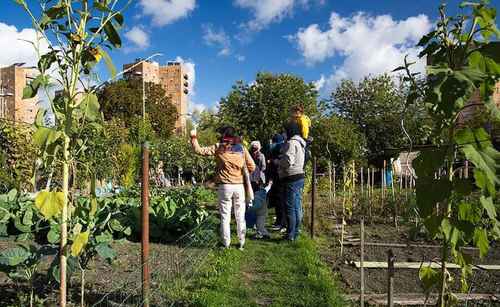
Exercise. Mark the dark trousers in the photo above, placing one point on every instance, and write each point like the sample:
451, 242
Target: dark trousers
295, 212
277, 200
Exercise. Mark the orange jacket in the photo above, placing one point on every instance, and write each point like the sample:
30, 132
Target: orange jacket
230, 161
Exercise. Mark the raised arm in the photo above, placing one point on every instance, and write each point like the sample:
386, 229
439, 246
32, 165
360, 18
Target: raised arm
204, 151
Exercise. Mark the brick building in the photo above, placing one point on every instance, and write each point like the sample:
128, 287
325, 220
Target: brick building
13, 80
174, 80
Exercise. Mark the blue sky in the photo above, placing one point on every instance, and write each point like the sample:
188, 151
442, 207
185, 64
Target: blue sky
228, 40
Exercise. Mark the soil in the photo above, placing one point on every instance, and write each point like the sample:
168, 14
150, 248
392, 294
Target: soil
405, 280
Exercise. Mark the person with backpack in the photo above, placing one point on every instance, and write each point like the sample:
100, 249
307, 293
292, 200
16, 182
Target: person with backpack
276, 195
232, 161
291, 174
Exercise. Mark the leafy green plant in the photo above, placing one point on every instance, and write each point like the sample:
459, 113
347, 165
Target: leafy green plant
464, 61
173, 212
18, 216
21, 264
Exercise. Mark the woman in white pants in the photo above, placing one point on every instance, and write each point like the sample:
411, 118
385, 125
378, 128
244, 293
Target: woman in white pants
231, 159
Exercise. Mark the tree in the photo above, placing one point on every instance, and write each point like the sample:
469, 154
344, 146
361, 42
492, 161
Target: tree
17, 157
261, 109
338, 140
123, 99
376, 105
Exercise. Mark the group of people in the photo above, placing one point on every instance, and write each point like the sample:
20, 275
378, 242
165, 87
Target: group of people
276, 176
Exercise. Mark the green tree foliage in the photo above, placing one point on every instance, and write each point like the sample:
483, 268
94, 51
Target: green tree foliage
260, 109
338, 140
17, 156
208, 123
177, 153
123, 99
376, 105
465, 61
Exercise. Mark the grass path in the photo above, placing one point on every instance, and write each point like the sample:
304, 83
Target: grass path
266, 273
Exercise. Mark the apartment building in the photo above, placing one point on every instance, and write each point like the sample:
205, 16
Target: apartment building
13, 80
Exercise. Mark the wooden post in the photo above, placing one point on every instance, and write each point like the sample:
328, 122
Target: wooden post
362, 182
362, 298
390, 278
330, 195
313, 196
370, 193
406, 186
145, 225
353, 189
466, 170
343, 212
334, 188
394, 198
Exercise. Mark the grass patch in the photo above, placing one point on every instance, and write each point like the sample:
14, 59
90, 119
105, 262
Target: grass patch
267, 273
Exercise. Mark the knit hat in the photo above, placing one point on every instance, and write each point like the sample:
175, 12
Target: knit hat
278, 138
256, 145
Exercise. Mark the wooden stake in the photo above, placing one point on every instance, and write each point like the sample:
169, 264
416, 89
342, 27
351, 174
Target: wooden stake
390, 278
362, 273
362, 182
343, 213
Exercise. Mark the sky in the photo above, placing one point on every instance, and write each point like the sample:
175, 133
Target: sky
223, 41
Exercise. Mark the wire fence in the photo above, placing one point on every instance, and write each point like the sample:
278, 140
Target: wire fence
172, 267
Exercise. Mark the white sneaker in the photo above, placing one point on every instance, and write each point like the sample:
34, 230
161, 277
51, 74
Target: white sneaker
241, 247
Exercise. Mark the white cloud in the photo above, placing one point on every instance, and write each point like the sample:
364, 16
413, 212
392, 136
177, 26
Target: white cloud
138, 37
320, 83
240, 58
217, 38
190, 69
167, 11
197, 107
268, 11
16, 49
367, 44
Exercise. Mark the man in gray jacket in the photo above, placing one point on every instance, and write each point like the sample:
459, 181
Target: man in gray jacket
291, 173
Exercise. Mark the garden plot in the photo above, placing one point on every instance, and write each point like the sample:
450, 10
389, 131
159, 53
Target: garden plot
112, 284
406, 280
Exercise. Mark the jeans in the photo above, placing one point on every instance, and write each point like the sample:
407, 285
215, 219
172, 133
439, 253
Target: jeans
293, 194
232, 195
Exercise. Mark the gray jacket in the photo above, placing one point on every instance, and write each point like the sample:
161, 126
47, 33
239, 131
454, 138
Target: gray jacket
292, 157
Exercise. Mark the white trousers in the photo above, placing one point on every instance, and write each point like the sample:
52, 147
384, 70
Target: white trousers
232, 195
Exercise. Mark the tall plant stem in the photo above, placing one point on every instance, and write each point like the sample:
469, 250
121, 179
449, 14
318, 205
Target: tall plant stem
64, 225
444, 258
82, 288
